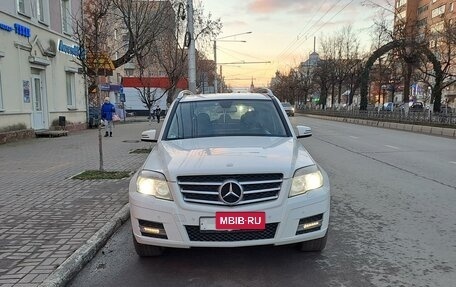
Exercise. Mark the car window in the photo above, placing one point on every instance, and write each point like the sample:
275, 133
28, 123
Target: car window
286, 104
235, 117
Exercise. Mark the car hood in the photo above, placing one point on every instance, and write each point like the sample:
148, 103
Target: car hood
228, 155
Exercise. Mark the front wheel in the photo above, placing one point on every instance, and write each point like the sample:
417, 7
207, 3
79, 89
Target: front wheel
144, 250
313, 245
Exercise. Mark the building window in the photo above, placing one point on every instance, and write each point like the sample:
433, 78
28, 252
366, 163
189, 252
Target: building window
21, 6
438, 11
420, 24
66, 16
400, 3
423, 9
40, 10
438, 27
70, 90
128, 72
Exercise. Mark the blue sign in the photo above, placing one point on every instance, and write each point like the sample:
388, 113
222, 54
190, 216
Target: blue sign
72, 50
105, 87
116, 88
6, 27
22, 30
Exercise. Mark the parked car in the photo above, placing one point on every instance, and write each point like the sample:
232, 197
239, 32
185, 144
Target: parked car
289, 109
446, 110
416, 107
228, 170
388, 106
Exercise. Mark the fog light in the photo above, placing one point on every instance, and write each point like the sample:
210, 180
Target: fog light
309, 224
152, 229
149, 230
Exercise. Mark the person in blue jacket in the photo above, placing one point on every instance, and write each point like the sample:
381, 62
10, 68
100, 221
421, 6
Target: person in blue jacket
107, 111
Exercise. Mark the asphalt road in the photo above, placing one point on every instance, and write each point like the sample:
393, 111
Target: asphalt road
392, 224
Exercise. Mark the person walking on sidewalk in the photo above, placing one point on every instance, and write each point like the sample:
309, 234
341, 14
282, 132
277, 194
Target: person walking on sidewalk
157, 113
107, 111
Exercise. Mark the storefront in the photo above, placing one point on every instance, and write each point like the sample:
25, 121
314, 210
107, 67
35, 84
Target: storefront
39, 76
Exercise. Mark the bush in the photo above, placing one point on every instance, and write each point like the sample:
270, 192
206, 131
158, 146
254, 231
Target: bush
15, 127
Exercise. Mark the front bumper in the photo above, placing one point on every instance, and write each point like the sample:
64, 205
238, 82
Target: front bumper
181, 220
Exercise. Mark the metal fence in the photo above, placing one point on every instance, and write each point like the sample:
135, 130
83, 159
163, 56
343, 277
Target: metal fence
427, 117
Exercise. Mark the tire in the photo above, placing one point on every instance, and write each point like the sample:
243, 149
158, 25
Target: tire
313, 245
144, 250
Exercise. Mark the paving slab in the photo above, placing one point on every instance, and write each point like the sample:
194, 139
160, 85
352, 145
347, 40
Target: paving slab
45, 215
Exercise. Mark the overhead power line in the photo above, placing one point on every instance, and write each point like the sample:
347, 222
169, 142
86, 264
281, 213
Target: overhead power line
308, 32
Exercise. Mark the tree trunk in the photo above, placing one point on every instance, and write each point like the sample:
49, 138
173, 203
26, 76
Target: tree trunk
100, 136
407, 80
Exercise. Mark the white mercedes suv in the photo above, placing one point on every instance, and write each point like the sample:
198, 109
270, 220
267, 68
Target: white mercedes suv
228, 170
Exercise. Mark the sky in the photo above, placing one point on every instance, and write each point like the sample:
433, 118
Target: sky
282, 33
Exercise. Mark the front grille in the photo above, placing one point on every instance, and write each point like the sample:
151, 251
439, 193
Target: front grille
204, 189
195, 234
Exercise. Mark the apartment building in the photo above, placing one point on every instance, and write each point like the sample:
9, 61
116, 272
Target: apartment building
39, 79
422, 20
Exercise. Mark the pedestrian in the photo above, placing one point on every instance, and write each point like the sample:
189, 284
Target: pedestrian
157, 113
107, 111
152, 114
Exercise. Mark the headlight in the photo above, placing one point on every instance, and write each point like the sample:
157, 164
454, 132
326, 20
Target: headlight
153, 183
306, 179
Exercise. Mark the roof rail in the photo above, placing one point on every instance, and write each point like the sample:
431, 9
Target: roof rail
264, 91
184, 93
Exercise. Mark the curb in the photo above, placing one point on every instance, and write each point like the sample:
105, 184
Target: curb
431, 130
70, 267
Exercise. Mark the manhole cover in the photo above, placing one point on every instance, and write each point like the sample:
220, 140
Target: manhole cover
131, 141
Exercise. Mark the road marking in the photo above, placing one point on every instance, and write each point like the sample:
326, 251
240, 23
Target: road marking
393, 147
453, 162
353, 137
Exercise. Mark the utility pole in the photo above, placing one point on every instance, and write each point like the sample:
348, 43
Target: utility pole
191, 49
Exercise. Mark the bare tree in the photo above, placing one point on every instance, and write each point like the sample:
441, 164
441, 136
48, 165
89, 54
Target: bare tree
93, 34
171, 52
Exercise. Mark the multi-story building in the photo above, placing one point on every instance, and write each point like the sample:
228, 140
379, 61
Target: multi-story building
421, 17
39, 79
424, 20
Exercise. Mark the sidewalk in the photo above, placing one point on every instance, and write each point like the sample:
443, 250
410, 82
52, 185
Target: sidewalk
45, 216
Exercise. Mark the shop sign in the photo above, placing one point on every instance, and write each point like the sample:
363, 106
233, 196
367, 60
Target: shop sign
6, 27
19, 29
22, 30
71, 50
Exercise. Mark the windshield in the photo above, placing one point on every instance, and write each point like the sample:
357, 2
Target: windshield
237, 117
286, 105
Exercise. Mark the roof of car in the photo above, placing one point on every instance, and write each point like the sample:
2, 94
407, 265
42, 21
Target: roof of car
224, 96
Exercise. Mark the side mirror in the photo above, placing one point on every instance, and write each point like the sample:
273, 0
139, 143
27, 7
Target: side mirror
149, 136
304, 132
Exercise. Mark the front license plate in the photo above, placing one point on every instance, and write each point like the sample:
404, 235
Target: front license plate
240, 220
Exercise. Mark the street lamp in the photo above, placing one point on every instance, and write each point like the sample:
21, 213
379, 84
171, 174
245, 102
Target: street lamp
215, 53
191, 48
